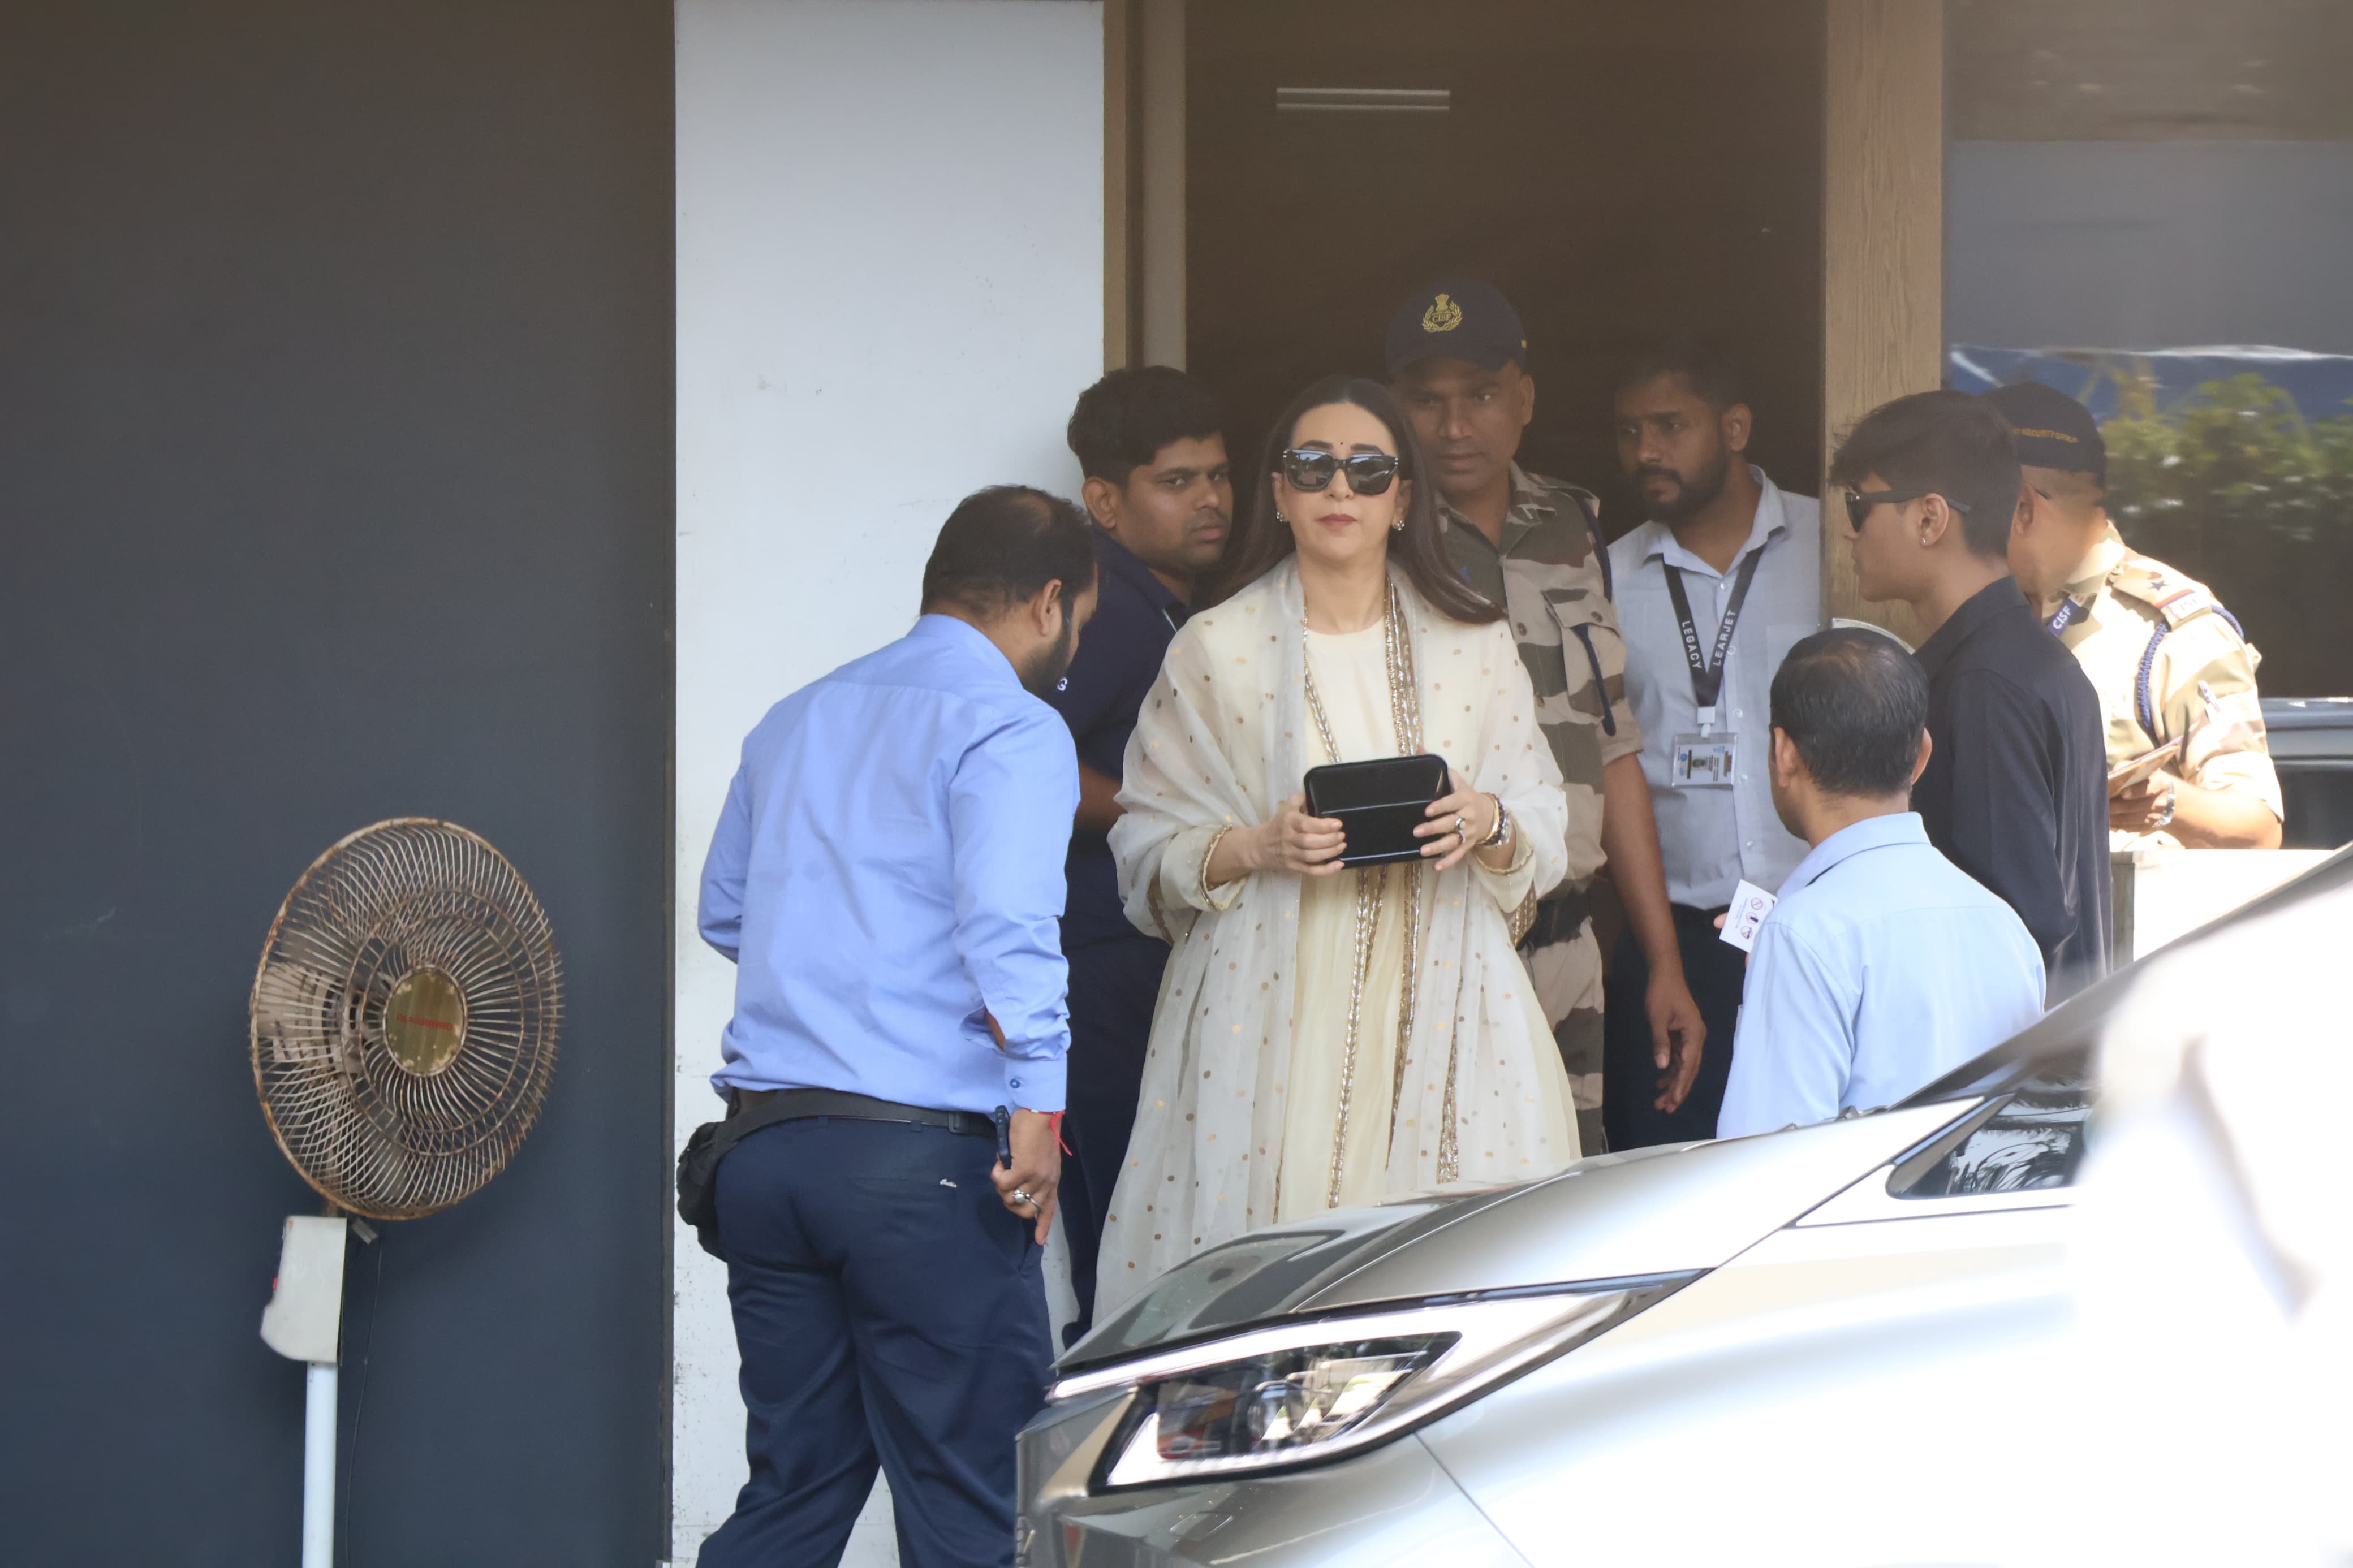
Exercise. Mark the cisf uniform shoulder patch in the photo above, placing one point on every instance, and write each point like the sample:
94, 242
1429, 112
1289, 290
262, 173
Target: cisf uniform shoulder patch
2185, 602
2174, 597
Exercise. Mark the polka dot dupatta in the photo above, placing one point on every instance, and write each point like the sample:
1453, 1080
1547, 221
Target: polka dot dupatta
1223, 737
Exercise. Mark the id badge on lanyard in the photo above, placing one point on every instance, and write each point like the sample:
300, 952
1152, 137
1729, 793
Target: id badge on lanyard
1704, 761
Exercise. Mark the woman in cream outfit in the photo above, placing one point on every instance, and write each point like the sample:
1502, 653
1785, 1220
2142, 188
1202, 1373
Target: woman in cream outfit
1329, 1036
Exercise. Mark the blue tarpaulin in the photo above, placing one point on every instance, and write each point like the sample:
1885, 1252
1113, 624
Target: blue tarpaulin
2321, 385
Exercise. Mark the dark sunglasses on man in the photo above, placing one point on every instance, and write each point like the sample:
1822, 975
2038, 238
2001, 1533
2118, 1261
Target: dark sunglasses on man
1369, 473
1860, 502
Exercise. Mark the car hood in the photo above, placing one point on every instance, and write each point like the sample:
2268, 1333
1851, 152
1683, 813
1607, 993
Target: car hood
1651, 1211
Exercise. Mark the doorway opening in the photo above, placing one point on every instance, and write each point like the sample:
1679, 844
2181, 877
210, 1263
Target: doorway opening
1620, 173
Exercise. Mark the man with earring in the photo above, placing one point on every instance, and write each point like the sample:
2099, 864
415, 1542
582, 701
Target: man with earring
1160, 494
1722, 578
2015, 792
1458, 360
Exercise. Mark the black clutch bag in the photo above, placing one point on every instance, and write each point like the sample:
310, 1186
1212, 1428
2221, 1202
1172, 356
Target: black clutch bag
1378, 804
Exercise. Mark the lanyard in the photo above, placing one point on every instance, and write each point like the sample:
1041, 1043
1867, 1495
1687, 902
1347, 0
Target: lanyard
2070, 612
1708, 683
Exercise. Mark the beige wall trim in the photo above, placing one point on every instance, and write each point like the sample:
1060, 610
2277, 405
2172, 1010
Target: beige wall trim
1122, 320
1882, 238
1160, 179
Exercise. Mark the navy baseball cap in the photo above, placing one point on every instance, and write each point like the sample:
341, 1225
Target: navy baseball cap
1457, 317
2054, 431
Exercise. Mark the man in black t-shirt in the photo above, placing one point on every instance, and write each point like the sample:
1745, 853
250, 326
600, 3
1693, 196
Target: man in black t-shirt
2015, 792
1160, 495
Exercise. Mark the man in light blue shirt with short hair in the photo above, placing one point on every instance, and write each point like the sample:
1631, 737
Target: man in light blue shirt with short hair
887, 877
1883, 966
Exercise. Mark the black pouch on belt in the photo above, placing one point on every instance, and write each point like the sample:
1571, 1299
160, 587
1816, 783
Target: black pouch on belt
697, 1163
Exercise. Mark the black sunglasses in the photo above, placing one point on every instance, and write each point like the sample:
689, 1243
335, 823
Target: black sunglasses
1369, 473
1859, 503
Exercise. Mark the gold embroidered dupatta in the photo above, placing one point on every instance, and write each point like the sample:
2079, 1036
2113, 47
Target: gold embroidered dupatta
1226, 733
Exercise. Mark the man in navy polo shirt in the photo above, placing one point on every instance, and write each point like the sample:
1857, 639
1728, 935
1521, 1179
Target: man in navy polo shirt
1151, 441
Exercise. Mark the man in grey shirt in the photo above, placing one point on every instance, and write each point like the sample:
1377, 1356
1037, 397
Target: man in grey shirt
1712, 590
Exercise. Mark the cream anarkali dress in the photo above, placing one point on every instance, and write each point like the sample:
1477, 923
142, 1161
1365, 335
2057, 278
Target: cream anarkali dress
1259, 1102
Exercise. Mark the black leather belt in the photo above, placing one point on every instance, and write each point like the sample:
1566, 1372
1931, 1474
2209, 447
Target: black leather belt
790, 1104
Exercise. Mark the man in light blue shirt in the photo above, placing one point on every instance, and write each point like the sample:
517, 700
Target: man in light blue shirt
878, 877
1746, 558
1883, 966
887, 876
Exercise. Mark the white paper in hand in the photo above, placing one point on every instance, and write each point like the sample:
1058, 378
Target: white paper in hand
1750, 905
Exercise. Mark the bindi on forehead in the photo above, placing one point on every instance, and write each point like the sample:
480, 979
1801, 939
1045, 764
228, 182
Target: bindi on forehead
1340, 424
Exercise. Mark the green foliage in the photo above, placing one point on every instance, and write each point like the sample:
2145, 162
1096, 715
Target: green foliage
2235, 487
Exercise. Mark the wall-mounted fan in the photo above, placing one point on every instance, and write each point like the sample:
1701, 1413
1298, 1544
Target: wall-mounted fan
405, 1019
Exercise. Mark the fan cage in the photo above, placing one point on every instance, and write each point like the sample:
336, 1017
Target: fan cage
374, 1135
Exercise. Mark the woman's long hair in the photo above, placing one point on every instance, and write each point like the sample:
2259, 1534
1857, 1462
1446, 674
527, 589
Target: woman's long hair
1420, 549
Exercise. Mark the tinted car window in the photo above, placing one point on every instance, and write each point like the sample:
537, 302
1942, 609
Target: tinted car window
2033, 1138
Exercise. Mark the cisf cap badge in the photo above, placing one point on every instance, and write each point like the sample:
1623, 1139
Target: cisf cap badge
1443, 315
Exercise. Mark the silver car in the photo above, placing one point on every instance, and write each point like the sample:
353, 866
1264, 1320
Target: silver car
1785, 1348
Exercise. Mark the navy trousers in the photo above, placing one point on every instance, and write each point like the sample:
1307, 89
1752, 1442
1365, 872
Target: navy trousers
890, 1313
1715, 971
1113, 988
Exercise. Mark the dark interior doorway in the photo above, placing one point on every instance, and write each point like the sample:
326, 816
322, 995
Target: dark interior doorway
1619, 171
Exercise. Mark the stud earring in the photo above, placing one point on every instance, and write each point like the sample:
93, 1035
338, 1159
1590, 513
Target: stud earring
1397, 527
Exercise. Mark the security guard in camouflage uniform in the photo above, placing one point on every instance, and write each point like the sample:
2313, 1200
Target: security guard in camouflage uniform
2169, 661
1457, 358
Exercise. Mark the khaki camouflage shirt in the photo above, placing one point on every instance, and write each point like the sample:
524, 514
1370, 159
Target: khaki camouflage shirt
1552, 576
2167, 660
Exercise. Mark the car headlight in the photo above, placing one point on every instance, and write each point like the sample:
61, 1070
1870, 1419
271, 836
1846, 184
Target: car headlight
1301, 1393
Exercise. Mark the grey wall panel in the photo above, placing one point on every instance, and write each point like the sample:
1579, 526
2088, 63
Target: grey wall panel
335, 484
2148, 245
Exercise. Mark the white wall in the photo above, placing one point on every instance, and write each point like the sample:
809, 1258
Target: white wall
889, 289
